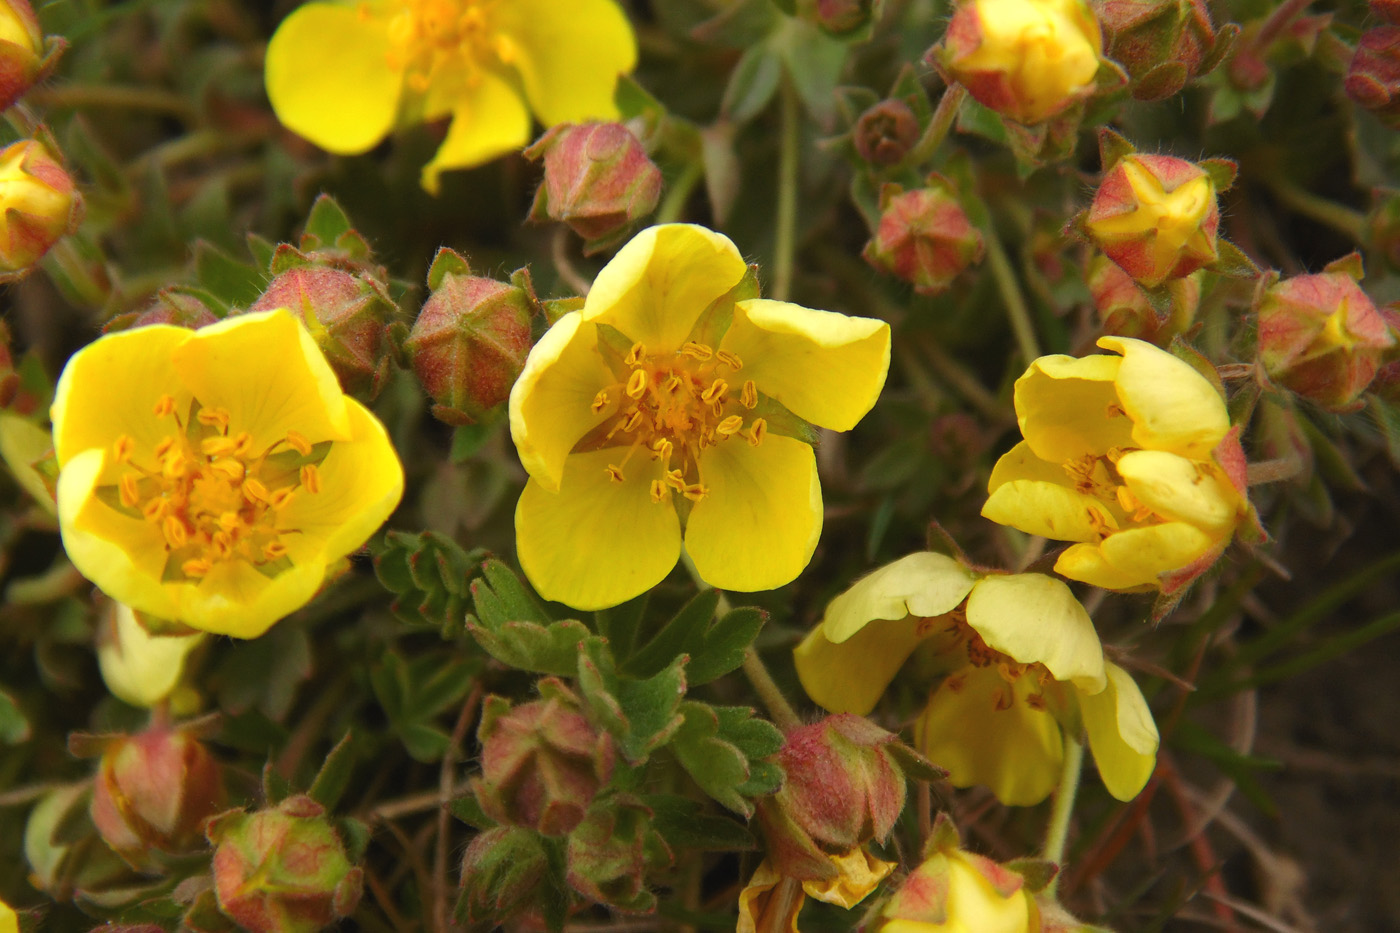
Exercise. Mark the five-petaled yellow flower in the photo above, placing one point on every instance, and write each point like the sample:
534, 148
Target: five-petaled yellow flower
1021, 662
211, 477
1132, 457
677, 403
343, 74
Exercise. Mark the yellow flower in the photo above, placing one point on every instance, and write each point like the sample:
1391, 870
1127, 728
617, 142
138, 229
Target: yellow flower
1132, 458
344, 74
770, 902
211, 477
676, 403
1021, 662
954, 891
9, 922
140, 668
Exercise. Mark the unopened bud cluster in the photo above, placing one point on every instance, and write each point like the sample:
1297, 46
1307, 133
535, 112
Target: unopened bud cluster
924, 236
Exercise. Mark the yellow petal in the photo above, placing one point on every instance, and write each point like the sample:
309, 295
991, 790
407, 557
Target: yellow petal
140, 668
328, 77
569, 54
489, 119
1036, 619
1036, 496
770, 902
858, 873
1015, 751
138, 362
1086, 563
759, 524
361, 485
1122, 734
827, 368
596, 542
1172, 406
658, 284
550, 404
922, 584
1174, 487
9, 920
1064, 407
235, 599
1156, 549
267, 372
22, 444
850, 677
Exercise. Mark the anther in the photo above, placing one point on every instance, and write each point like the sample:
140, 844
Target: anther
163, 448
165, 406
749, 395
637, 383
675, 479
297, 442
1114, 410
1003, 700
229, 521
758, 430
122, 448
715, 392
636, 355
672, 383
255, 491
242, 444
634, 422
658, 491
310, 478
127, 489
697, 351
214, 417
154, 510
174, 465
614, 473
196, 567
600, 401
730, 426
695, 492
281, 498
229, 469
274, 550
661, 448
730, 359
217, 446
174, 531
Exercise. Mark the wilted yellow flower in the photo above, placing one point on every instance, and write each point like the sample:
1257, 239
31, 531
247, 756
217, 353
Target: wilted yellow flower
770, 902
676, 403
344, 74
140, 668
1022, 661
211, 477
1132, 457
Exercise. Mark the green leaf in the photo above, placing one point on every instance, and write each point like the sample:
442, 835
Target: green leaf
334, 776
514, 629
752, 84
814, 63
428, 573
413, 693
719, 748
641, 714
466, 809
326, 223
684, 825
233, 282
619, 626
14, 727
675, 636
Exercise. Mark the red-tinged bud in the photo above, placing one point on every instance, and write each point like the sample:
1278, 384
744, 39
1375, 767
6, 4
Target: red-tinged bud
1388, 10
1321, 337
840, 17
174, 306
39, 205
924, 237
608, 852
1125, 310
153, 791
21, 50
542, 763
282, 870
885, 133
501, 876
597, 179
1155, 216
1162, 44
471, 339
844, 786
1028, 60
346, 315
1373, 78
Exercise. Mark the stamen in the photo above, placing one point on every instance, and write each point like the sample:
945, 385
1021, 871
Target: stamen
636, 355
662, 449
174, 465
637, 383
695, 492
758, 430
311, 478
280, 499
214, 417
634, 422
154, 511
749, 396
1003, 701
128, 490
230, 469
715, 392
216, 446
675, 479
297, 442
230, 521
729, 426
196, 567
174, 531
730, 359
614, 473
163, 448
658, 491
255, 491
122, 448
600, 401
243, 444
697, 351
1114, 410
165, 406
1036, 701
274, 550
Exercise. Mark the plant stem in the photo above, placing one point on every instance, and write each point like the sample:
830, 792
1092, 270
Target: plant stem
1016, 308
938, 127
785, 233
1057, 832
107, 97
1339, 217
444, 822
673, 205
1278, 20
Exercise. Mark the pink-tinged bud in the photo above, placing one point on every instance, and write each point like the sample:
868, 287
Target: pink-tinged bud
1028, 60
282, 870
1388, 10
844, 786
1373, 78
924, 237
1155, 216
542, 763
153, 791
1125, 310
501, 876
471, 339
39, 205
1162, 44
839, 17
21, 50
597, 179
607, 854
346, 315
1321, 337
173, 306
885, 133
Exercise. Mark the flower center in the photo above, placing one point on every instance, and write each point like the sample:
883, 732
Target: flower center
673, 406
1011, 671
1096, 475
431, 37
213, 497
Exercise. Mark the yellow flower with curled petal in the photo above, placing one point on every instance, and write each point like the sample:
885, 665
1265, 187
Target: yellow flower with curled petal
1131, 457
771, 901
343, 74
1021, 663
212, 477
676, 403
955, 891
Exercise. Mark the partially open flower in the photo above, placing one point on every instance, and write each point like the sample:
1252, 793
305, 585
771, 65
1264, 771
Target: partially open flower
925, 237
1029, 60
39, 205
21, 50
1131, 457
138, 667
224, 479
1022, 663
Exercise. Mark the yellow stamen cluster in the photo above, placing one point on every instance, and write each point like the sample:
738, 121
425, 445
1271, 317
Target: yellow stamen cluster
433, 37
980, 654
1098, 476
673, 406
213, 497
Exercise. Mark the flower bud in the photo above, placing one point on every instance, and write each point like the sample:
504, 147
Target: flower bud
924, 237
501, 876
607, 854
840, 17
1162, 44
886, 132
1321, 337
173, 306
1155, 216
154, 790
38, 202
597, 179
1125, 310
282, 870
346, 315
470, 340
1373, 78
1388, 10
542, 763
1028, 60
843, 788
21, 50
